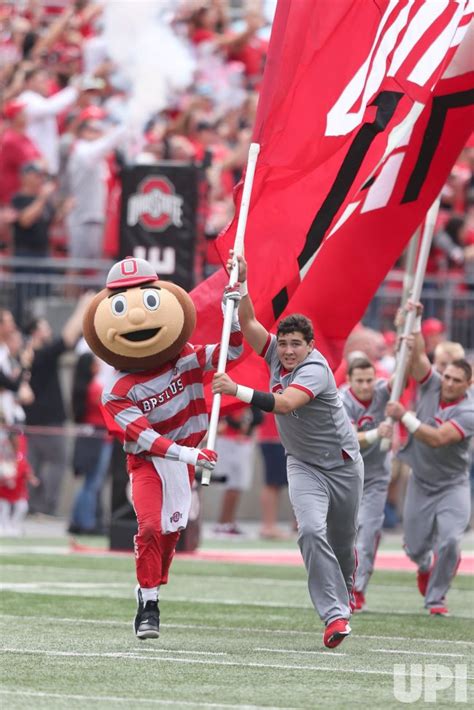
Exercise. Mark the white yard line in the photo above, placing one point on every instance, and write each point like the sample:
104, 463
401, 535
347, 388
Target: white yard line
369, 650
132, 701
237, 629
309, 653
266, 581
131, 656
34, 550
421, 640
417, 653
260, 581
50, 586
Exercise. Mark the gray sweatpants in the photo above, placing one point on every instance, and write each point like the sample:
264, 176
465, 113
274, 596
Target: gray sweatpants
435, 522
326, 505
371, 517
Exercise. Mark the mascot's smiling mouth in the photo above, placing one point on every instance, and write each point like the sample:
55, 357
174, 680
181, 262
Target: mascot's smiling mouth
137, 336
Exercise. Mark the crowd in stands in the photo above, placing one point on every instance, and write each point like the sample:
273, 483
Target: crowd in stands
66, 124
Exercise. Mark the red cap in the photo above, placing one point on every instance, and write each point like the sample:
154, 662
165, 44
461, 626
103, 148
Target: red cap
432, 326
92, 113
13, 108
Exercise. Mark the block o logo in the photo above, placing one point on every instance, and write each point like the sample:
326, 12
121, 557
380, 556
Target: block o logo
129, 267
155, 205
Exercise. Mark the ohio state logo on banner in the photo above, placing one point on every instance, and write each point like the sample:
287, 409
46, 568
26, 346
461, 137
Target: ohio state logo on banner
155, 205
158, 218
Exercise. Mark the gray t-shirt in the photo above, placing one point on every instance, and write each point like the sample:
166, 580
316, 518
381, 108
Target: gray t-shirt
436, 468
366, 416
320, 431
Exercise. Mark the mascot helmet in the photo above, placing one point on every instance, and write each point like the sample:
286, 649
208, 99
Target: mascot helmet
138, 322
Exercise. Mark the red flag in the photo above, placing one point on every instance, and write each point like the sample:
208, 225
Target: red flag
364, 109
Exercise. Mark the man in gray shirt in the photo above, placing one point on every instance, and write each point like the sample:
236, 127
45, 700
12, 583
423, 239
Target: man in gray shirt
325, 469
437, 503
365, 400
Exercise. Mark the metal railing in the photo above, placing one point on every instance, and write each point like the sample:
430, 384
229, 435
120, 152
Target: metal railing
43, 287
49, 286
446, 297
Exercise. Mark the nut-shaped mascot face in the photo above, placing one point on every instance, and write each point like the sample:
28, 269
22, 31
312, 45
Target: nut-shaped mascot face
138, 322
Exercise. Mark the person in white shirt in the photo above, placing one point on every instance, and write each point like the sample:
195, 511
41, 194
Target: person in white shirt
87, 171
41, 113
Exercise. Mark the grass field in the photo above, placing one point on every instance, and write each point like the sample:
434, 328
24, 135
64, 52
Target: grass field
233, 636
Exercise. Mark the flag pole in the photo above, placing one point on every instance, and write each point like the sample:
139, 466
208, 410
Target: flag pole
409, 275
230, 305
402, 359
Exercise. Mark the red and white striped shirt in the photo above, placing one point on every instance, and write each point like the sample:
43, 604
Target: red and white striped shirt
161, 410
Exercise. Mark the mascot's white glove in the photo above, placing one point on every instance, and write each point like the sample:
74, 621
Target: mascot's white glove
205, 458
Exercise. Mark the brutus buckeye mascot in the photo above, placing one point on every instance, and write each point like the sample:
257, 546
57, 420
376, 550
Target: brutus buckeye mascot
140, 325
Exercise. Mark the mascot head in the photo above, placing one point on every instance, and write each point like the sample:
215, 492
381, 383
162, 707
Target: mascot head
138, 322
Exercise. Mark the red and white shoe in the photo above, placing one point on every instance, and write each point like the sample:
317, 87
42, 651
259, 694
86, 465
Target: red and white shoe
439, 611
336, 632
359, 601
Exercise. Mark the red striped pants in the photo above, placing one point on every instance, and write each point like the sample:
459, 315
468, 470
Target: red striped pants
154, 551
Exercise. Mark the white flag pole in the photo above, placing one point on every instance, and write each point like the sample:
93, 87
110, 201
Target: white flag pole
409, 275
426, 239
230, 305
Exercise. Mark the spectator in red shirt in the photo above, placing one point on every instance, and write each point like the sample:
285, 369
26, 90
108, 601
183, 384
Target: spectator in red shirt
16, 149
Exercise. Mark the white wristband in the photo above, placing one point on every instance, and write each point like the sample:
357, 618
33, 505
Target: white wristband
411, 422
371, 436
245, 394
244, 289
417, 325
187, 454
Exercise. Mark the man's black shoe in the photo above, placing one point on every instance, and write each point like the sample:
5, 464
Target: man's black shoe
147, 619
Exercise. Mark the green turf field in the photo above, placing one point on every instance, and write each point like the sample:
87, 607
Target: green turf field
233, 636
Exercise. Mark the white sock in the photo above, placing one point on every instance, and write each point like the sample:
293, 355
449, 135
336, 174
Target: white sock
150, 594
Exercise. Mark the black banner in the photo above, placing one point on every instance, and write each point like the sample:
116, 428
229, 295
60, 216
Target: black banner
158, 218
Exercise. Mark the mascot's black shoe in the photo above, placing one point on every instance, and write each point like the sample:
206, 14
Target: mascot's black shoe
147, 619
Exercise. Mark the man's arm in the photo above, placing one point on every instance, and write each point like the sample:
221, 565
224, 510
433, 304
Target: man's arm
418, 364
367, 438
435, 437
253, 331
40, 107
287, 401
31, 214
92, 151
